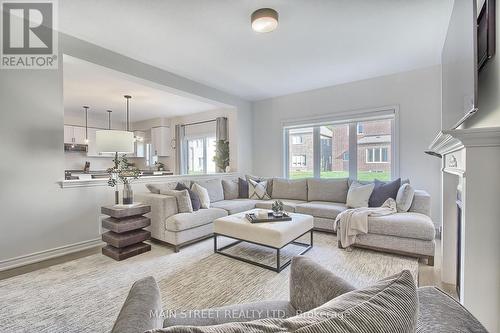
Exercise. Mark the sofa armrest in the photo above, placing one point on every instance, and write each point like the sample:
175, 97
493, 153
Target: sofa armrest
162, 207
142, 310
421, 203
312, 285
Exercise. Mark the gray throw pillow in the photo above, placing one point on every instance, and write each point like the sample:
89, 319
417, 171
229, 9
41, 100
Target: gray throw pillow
183, 200
231, 189
383, 191
156, 188
195, 199
404, 198
242, 188
214, 188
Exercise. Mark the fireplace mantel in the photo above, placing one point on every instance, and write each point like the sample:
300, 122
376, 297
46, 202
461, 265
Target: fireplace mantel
471, 162
448, 141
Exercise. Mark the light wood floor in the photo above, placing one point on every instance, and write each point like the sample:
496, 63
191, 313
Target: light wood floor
427, 275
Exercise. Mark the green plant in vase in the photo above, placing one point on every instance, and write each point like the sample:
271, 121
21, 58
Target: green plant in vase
124, 173
221, 157
277, 208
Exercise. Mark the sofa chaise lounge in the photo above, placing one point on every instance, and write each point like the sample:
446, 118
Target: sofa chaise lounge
409, 233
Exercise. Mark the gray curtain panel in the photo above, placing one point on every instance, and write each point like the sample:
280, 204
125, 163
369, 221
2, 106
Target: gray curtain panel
221, 132
180, 149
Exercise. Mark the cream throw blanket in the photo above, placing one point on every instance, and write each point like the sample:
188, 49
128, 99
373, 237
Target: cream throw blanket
353, 222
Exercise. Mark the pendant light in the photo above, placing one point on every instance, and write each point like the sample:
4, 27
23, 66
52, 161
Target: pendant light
128, 97
86, 124
109, 118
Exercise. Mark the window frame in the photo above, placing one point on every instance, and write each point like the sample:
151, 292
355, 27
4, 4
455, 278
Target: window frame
351, 118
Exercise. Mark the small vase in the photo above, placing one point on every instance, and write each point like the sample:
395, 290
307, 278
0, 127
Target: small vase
128, 194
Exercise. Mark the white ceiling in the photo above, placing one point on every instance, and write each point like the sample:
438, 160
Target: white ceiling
102, 89
318, 42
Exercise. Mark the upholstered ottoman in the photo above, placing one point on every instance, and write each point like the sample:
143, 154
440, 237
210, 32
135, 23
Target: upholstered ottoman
274, 235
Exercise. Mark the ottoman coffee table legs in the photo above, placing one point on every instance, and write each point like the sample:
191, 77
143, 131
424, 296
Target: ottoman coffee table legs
279, 267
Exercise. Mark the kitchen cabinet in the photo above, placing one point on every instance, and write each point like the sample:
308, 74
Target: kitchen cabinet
74, 134
160, 141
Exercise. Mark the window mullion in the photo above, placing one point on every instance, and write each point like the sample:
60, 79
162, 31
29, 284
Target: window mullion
317, 151
353, 150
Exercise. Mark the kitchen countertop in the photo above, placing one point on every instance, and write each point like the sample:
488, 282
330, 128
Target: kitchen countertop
141, 179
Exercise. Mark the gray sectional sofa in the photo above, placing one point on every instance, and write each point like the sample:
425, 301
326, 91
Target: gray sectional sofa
410, 233
319, 302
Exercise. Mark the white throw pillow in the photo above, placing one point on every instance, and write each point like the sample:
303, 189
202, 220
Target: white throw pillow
257, 190
359, 195
203, 194
405, 197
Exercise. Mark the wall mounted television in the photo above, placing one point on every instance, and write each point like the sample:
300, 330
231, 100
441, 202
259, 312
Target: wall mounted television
486, 25
469, 44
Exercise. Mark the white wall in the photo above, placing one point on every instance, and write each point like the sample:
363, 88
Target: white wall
418, 94
38, 216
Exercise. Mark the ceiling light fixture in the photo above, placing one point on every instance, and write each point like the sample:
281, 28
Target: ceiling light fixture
264, 20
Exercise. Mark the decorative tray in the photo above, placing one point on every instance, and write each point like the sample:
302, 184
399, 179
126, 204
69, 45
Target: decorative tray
270, 218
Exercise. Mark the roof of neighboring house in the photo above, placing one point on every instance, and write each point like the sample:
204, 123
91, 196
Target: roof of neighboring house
374, 139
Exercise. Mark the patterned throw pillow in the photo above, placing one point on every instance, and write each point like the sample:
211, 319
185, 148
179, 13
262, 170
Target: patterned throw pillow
258, 190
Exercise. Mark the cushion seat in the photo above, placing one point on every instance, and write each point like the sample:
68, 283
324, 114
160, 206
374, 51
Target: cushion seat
288, 204
407, 225
184, 221
235, 206
324, 209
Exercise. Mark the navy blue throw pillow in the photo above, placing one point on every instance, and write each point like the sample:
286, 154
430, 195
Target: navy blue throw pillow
195, 199
383, 191
242, 188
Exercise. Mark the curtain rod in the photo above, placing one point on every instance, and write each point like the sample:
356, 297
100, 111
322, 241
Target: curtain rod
201, 122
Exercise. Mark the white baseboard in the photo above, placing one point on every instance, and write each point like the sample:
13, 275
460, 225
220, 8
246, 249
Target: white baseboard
48, 254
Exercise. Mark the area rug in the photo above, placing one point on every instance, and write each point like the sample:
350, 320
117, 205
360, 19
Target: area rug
85, 295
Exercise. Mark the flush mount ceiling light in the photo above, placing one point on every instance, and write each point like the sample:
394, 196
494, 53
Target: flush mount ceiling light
264, 20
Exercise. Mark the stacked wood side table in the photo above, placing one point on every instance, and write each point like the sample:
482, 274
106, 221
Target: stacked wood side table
125, 236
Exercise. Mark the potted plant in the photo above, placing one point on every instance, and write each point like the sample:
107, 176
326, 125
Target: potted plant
277, 208
124, 173
160, 166
221, 157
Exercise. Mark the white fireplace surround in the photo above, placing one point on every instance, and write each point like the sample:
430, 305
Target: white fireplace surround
471, 163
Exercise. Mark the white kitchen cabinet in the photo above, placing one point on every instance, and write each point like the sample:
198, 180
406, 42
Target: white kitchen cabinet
74, 134
160, 141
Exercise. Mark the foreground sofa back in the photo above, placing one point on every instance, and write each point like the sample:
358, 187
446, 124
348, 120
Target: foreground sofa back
313, 289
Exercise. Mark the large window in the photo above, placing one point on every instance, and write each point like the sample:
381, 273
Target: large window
200, 154
301, 159
360, 150
334, 147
